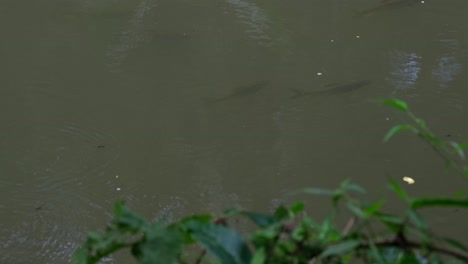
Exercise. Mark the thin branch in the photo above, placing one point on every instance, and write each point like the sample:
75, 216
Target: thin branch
416, 245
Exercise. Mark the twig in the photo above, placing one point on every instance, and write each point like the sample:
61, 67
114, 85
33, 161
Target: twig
415, 245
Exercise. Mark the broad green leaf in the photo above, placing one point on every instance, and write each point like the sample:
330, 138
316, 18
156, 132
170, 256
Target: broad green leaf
398, 104
398, 190
455, 244
318, 191
262, 220
397, 129
259, 257
161, 245
444, 202
224, 243
340, 248
416, 219
372, 209
297, 207
128, 221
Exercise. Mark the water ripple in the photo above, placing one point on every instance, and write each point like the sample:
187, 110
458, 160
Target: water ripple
256, 19
47, 200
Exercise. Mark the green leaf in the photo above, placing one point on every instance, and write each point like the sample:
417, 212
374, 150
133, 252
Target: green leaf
458, 149
356, 210
398, 190
392, 222
259, 257
375, 253
416, 219
80, 256
319, 191
374, 208
262, 220
126, 220
327, 229
421, 123
408, 258
98, 246
456, 245
444, 202
224, 243
205, 218
398, 104
297, 207
161, 245
281, 213
340, 248
397, 129
355, 188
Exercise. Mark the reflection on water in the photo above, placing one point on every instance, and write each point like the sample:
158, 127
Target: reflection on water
405, 68
446, 70
256, 19
253, 16
447, 64
132, 36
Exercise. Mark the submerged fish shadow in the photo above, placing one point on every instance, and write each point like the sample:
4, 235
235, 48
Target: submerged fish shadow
330, 90
240, 92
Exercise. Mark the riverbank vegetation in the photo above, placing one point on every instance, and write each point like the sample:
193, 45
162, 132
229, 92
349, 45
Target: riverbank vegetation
291, 235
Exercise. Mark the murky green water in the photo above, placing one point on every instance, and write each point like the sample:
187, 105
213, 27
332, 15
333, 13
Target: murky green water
184, 106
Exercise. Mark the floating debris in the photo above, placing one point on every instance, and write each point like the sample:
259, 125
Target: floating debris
408, 180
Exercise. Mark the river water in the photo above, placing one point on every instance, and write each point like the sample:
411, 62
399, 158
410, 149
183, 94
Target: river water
181, 106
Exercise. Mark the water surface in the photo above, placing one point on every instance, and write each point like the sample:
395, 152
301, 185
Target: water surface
106, 100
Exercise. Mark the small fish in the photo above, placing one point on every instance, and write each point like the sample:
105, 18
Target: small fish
388, 4
335, 89
243, 91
